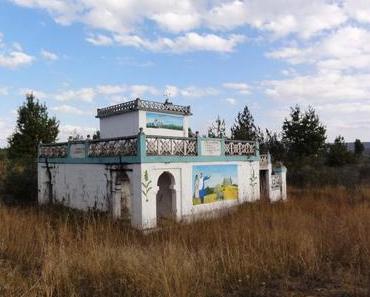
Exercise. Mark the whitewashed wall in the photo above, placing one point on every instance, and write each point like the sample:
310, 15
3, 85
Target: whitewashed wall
78, 186
182, 173
120, 125
128, 124
88, 186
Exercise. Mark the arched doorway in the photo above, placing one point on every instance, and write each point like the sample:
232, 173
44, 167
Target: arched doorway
264, 186
166, 196
123, 195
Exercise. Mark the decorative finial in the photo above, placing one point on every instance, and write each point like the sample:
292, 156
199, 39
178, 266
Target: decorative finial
167, 95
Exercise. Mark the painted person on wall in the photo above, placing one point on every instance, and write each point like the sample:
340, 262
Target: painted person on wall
202, 191
214, 183
196, 187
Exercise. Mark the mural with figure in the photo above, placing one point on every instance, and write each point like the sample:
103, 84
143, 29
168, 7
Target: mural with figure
164, 121
212, 183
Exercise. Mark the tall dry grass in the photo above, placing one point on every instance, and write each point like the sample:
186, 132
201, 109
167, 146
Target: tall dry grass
317, 243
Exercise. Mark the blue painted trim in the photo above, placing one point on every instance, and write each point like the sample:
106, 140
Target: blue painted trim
279, 169
141, 156
148, 159
141, 149
223, 146
258, 150
186, 159
94, 160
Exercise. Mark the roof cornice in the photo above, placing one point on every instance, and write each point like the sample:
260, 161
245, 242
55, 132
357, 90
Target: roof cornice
139, 104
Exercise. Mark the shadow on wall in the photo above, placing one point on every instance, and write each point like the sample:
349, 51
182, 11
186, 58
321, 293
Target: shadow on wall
166, 196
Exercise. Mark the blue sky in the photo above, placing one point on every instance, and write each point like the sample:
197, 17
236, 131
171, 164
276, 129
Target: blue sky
215, 55
216, 174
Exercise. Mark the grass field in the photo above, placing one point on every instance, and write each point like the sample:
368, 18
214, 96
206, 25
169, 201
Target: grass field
316, 244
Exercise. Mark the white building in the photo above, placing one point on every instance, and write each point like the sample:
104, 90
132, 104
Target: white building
145, 168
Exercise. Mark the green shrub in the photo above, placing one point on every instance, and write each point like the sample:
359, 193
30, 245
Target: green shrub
20, 181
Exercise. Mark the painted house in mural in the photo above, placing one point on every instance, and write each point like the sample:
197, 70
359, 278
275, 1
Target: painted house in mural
146, 167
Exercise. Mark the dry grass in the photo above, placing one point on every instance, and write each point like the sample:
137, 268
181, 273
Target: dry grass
317, 244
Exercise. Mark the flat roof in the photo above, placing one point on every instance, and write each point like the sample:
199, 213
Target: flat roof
139, 104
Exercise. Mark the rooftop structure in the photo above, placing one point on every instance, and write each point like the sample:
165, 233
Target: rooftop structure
144, 105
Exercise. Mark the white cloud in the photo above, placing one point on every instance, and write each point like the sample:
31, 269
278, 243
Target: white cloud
196, 92
66, 130
3, 91
177, 22
320, 88
68, 109
190, 92
13, 56
100, 39
280, 17
116, 93
231, 101
188, 42
227, 15
305, 18
345, 48
15, 59
141, 90
83, 94
47, 55
293, 55
358, 9
242, 88
111, 89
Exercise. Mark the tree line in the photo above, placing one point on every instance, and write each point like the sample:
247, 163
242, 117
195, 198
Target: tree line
302, 138
302, 146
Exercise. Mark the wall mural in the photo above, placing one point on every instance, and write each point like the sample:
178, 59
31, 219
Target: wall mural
164, 121
212, 183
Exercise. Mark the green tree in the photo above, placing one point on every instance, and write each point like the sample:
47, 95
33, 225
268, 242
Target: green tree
338, 154
274, 145
97, 135
359, 148
33, 127
217, 129
3, 162
303, 134
244, 127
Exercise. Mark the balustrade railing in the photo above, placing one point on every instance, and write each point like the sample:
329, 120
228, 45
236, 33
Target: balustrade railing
125, 146
240, 148
170, 146
154, 146
57, 150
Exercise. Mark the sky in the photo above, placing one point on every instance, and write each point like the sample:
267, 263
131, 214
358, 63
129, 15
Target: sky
216, 174
215, 55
